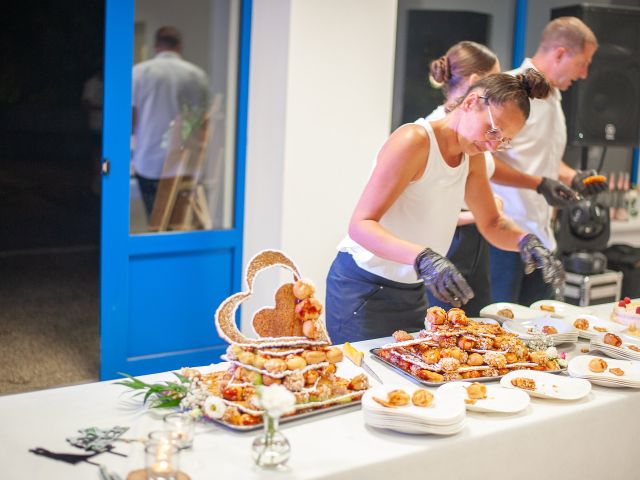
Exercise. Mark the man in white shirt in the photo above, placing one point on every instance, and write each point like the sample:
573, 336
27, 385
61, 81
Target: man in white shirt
563, 56
164, 87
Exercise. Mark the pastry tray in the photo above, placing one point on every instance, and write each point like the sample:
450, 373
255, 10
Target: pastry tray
375, 353
290, 418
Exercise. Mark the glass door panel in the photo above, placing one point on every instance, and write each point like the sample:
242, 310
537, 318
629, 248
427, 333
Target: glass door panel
184, 82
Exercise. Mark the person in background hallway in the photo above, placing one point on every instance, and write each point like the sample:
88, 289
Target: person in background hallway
92, 103
403, 223
465, 63
163, 88
563, 56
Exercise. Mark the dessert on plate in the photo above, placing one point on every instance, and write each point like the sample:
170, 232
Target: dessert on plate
627, 312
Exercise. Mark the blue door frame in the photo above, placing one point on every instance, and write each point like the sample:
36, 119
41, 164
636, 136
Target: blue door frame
159, 292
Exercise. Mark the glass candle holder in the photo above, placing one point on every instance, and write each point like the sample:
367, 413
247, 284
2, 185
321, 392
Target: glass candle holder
163, 436
162, 461
183, 426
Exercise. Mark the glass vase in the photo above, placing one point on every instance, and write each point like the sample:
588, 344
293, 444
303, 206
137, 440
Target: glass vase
271, 448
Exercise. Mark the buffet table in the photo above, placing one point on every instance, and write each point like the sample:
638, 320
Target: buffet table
588, 439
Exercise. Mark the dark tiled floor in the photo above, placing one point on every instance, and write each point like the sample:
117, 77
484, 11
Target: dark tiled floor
49, 280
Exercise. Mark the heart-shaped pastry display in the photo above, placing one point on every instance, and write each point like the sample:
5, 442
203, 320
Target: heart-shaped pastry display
293, 349
293, 321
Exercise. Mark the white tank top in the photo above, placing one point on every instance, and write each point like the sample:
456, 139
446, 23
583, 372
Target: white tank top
426, 213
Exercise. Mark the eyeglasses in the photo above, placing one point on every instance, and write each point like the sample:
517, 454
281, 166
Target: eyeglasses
494, 134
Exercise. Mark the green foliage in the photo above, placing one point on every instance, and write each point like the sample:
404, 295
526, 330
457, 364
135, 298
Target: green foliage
159, 395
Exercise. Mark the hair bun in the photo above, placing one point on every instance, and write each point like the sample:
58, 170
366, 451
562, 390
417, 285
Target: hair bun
441, 70
534, 83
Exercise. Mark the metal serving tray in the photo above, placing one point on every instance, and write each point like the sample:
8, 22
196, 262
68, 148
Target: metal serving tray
376, 354
291, 418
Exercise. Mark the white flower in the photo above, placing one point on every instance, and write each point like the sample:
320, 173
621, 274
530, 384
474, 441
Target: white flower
551, 353
563, 363
277, 400
214, 407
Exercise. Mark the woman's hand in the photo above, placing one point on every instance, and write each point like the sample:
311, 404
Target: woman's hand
442, 278
535, 255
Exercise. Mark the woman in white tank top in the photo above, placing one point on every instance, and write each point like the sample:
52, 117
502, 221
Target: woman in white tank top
403, 223
465, 63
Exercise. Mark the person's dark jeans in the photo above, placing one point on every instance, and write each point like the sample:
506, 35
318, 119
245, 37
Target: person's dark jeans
361, 305
469, 252
509, 282
148, 189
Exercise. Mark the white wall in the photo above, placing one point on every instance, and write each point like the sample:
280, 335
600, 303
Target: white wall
305, 174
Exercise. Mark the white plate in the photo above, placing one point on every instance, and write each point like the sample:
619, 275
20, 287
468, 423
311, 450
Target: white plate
440, 412
579, 366
594, 321
499, 399
561, 309
622, 352
525, 329
549, 385
487, 320
520, 312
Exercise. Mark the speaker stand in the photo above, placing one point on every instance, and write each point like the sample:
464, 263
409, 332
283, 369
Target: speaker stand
584, 157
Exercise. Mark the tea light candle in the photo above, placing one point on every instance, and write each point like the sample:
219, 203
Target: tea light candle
162, 467
182, 426
162, 460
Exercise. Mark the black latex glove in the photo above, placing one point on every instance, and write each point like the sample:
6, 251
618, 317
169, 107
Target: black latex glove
592, 189
442, 278
556, 193
535, 255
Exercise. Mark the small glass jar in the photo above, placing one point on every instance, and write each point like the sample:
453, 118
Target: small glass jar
162, 461
271, 448
183, 425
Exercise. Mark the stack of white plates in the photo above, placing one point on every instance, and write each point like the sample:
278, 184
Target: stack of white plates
527, 329
445, 416
596, 323
548, 385
624, 351
560, 310
579, 367
498, 400
519, 312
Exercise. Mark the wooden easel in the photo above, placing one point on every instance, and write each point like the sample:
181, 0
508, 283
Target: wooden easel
181, 202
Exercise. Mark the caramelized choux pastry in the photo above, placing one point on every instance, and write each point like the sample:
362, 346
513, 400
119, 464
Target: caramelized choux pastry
308, 309
310, 329
477, 391
314, 356
436, 316
422, 398
334, 355
611, 339
581, 323
597, 365
275, 365
399, 398
401, 336
303, 288
475, 360
295, 362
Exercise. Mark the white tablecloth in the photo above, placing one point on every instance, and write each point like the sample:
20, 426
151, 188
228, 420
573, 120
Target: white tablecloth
589, 439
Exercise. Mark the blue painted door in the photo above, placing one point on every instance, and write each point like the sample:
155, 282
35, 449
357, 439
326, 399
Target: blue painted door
164, 271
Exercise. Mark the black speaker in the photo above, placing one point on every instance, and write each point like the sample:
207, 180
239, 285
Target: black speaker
429, 35
583, 226
604, 109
